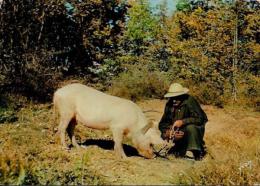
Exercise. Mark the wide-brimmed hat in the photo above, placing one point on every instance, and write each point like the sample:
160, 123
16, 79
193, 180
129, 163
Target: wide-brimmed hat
176, 89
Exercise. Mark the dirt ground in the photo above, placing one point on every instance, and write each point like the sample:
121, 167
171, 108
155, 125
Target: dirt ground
232, 139
160, 171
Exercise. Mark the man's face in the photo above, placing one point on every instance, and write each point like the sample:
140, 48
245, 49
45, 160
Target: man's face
176, 101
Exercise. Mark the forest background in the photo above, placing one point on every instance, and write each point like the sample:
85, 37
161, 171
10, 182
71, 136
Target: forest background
131, 49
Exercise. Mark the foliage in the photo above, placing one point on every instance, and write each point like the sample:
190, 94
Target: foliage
106, 71
141, 28
138, 82
203, 49
183, 5
9, 106
43, 42
7, 116
209, 46
249, 91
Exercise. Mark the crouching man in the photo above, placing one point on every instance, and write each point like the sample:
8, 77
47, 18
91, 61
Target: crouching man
183, 122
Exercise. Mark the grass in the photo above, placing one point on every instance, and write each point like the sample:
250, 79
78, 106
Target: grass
30, 154
237, 163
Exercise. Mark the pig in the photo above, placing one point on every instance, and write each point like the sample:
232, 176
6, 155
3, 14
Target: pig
94, 109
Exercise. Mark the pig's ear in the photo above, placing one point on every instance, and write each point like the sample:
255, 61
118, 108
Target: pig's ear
147, 127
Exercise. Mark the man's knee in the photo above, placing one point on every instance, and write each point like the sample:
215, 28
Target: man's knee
191, 128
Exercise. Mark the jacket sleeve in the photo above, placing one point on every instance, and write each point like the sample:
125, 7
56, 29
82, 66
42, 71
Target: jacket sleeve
166, 121
197, 115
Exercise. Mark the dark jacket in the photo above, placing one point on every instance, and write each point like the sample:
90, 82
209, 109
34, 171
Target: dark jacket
189, 111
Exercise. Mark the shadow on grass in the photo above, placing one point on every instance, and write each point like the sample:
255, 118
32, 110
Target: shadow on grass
109, 145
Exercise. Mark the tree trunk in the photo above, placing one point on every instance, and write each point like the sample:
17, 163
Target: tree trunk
235, 58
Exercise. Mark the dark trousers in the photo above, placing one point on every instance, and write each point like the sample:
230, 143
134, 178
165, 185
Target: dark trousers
192, 140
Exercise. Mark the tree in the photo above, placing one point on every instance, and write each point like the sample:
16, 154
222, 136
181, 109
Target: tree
45, 41
141, 28
183, 5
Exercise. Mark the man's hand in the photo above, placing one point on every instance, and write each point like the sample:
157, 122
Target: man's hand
178, 123
168, 134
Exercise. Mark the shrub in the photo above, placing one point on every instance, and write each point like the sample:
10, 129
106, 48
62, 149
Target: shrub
9, 105
140, 83
7, 116
249, 91
43, 42
207, 93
